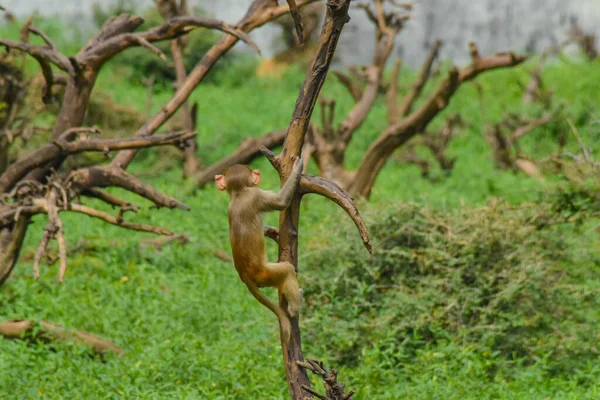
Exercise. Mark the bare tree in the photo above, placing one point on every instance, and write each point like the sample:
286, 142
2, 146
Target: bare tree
337, 16
437, 143
504, 137
40, 182
36, 183
328, 144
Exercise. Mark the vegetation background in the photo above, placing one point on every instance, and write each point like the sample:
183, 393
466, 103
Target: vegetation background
485, 284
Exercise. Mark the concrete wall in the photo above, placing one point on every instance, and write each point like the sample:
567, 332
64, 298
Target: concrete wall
496, 25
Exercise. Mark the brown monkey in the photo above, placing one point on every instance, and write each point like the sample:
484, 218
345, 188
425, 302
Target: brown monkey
246, 206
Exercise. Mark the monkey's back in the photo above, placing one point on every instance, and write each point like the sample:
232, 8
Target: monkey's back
246, 234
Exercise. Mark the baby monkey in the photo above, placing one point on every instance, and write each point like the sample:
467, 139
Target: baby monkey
246, 206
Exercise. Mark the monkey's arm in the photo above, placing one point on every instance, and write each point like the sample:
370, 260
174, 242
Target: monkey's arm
279, 201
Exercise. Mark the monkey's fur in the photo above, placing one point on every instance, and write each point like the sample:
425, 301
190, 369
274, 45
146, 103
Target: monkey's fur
246, 206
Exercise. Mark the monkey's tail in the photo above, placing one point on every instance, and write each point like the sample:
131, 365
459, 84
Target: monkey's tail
284, 321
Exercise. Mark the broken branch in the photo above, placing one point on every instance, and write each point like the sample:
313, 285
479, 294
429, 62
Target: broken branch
331, 190
418, 85
334, 390
271, 232
47, 331
103, 51
62, 147
108, 176
297, 22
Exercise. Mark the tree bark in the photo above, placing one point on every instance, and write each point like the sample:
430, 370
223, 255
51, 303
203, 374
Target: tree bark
11, 240
337, 16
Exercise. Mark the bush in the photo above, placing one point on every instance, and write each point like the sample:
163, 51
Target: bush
500, 280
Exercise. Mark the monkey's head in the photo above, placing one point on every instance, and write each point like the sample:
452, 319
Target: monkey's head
237, 177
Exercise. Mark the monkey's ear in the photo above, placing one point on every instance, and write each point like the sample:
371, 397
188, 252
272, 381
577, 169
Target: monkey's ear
220, 181
256, 177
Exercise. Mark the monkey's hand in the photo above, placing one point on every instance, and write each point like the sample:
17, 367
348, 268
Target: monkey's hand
296, 174
298, 165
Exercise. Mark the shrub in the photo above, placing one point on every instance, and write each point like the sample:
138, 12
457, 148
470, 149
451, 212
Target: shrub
500, 279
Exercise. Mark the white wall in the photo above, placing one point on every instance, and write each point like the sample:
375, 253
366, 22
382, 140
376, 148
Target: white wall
495, 25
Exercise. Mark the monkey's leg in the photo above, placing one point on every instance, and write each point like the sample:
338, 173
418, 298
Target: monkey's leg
283, 277
284, 321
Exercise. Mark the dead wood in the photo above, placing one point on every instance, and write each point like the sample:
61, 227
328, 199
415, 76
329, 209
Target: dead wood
108, 198
158, 243
328, 143
334, 390
259, 13
223, 256
297, 21
310, 19
417, 87
534, 88
48, 332
504, 136
337, 16
437, 143
65, 145
272, 233
331, 190
347, 81
20, 200
399, 133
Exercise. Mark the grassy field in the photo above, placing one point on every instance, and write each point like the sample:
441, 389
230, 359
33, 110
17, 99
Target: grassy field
191, 330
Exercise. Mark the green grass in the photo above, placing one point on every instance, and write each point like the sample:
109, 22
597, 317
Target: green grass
191, 330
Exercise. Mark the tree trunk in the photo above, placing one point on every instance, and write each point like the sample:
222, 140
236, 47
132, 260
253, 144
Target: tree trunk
11, 241
4, 147
337, 16
72, 112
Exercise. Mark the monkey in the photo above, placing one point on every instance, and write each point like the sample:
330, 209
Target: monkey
246, 205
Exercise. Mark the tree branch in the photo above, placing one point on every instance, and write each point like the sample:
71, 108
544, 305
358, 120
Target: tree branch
108, 176
331, 190
418, 85
259, 13
175, 27
92, 212
297, 22
63, 147
392, 94
348, 83
42, 54
396, 135
334, 390
532, 124
16, 329
109, 198
271, 232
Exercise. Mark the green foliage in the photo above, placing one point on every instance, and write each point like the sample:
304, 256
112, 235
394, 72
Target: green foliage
502, 305
501, 280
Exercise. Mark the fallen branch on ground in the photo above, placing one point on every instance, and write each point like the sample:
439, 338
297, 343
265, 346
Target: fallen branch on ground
47, 331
